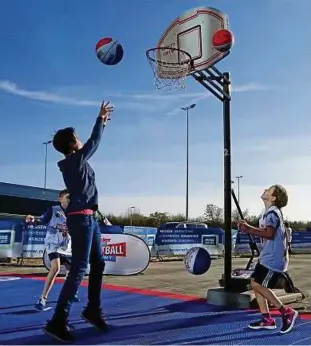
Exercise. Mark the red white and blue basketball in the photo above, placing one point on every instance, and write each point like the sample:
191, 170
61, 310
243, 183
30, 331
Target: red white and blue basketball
197, 260
109, 51
223, 40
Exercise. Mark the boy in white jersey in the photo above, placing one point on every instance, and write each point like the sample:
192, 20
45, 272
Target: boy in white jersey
289, 236
273, 259
56, 239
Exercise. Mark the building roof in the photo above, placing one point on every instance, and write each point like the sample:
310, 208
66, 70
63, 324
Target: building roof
24, 191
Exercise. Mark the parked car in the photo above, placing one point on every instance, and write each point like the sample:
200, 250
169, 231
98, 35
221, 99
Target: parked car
184, 225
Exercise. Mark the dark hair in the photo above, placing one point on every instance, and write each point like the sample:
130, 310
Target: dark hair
64, 139
286, 224
63, 192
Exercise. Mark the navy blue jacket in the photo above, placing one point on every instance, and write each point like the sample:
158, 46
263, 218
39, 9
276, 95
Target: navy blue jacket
79, 177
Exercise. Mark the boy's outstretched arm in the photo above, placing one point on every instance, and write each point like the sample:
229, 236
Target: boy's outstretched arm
41, 220
92, 143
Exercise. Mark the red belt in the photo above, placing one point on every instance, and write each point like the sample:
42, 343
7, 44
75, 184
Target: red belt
82, 212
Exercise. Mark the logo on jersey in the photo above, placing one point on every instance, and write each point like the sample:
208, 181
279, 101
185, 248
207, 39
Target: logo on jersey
61, 227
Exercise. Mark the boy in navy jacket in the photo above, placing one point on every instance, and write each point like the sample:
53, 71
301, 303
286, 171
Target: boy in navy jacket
79, 179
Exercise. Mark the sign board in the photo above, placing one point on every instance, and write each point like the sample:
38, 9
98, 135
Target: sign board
124, 254
178, 241
301, 243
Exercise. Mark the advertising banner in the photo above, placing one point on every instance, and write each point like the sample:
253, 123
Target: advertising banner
33, 241
179, 241
301, 243
124, 254
8, 237
6, 243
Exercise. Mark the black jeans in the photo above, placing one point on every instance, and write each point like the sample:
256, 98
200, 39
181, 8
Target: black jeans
86, 248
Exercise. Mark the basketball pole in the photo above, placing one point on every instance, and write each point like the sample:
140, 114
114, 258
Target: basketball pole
219, 85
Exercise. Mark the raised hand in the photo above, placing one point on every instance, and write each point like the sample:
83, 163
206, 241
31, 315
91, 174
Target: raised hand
105, 111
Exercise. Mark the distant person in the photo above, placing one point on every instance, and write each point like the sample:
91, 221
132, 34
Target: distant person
273, 260
289, 236
56, 239
79, 178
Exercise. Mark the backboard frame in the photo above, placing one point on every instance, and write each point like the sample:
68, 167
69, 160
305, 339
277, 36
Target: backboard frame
191, 31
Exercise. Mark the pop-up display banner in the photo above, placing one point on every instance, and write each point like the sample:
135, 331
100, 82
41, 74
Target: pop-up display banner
124, 254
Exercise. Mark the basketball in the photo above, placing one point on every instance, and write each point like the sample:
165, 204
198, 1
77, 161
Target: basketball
109, 51
223, 40
197, 260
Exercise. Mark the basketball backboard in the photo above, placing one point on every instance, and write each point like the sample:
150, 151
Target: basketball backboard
192, 32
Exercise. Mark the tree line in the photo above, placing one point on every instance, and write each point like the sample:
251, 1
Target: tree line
213, 216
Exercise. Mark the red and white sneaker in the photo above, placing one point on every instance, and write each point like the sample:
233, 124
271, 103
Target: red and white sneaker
289, 319
265, 323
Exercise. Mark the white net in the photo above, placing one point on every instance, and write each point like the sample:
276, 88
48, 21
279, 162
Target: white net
170, 67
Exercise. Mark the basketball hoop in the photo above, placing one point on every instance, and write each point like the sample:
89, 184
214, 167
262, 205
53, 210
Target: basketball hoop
170, 67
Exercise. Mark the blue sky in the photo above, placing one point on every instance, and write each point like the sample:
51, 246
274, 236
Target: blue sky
51, 78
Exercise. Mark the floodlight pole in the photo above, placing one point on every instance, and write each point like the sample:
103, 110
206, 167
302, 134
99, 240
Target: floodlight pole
238, 178
131, 214
46, 161
219, 85
186, 109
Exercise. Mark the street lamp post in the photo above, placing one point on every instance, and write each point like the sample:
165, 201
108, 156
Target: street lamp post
46, 161
186, 109
238, 178
131, 209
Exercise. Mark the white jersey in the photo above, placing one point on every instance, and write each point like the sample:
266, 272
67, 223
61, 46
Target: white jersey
54, 240
289, 234
274, 254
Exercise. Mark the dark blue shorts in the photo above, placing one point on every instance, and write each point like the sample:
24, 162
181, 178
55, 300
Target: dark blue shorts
266, 277
63, 259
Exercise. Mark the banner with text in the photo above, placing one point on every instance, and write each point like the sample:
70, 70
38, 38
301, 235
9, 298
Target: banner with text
33, 241
301, 243
9, 232
179, 241
124, 254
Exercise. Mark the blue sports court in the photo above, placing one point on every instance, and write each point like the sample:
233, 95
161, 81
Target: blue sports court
136, 317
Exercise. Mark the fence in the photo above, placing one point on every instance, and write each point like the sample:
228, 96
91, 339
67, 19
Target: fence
26, 241
20, 241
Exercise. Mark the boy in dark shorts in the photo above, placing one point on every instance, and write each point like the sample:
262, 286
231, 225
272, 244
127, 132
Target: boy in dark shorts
273, 260
79, 179
56, 239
